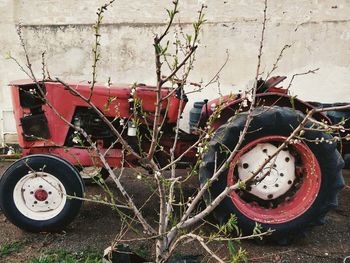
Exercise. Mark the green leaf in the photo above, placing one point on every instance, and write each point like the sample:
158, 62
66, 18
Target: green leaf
231, 247
189, 38
292, 102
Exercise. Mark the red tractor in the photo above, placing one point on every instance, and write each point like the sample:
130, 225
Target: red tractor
301, 186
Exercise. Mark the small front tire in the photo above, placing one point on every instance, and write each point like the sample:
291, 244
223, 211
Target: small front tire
37, 193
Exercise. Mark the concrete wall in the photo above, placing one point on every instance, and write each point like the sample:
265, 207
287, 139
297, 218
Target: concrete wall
318, 30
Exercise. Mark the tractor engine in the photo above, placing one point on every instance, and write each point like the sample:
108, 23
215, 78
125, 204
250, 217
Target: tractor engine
88, 120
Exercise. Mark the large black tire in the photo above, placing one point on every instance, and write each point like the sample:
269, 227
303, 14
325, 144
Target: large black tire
274, 121
32, 193
347, 161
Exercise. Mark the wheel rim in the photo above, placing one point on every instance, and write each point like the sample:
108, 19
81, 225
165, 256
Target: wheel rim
288, 184
90, 172
39, 196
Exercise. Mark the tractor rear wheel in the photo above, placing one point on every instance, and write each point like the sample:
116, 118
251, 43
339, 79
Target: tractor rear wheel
293, 191
37, 193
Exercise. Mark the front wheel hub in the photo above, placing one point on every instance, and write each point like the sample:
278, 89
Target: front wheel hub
39, 196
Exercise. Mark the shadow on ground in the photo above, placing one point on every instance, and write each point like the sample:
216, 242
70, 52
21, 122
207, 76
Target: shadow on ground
97, 225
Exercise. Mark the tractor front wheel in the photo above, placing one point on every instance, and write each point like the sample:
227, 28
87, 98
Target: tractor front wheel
37, 193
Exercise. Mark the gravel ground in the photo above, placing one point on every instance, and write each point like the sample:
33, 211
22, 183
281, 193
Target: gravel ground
97, 225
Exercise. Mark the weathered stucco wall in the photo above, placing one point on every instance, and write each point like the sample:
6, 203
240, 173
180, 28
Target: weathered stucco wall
319, 32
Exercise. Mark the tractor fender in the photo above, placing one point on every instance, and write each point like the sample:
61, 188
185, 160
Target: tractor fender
233, 105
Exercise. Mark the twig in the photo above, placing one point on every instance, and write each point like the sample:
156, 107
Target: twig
275, 65
214, 78
201, 242
43, 65
272, 254
261, 43
98, 202
312, 71
96, 49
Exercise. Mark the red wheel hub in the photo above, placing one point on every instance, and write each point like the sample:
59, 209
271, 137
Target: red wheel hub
40, 195
293, 205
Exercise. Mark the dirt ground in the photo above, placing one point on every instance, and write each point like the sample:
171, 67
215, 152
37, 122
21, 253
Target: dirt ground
97, 225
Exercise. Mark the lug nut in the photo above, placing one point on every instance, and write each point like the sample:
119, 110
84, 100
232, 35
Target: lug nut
287, 159
270, 196
245, 166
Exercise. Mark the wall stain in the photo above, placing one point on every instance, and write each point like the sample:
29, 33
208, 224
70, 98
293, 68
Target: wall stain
64, 27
